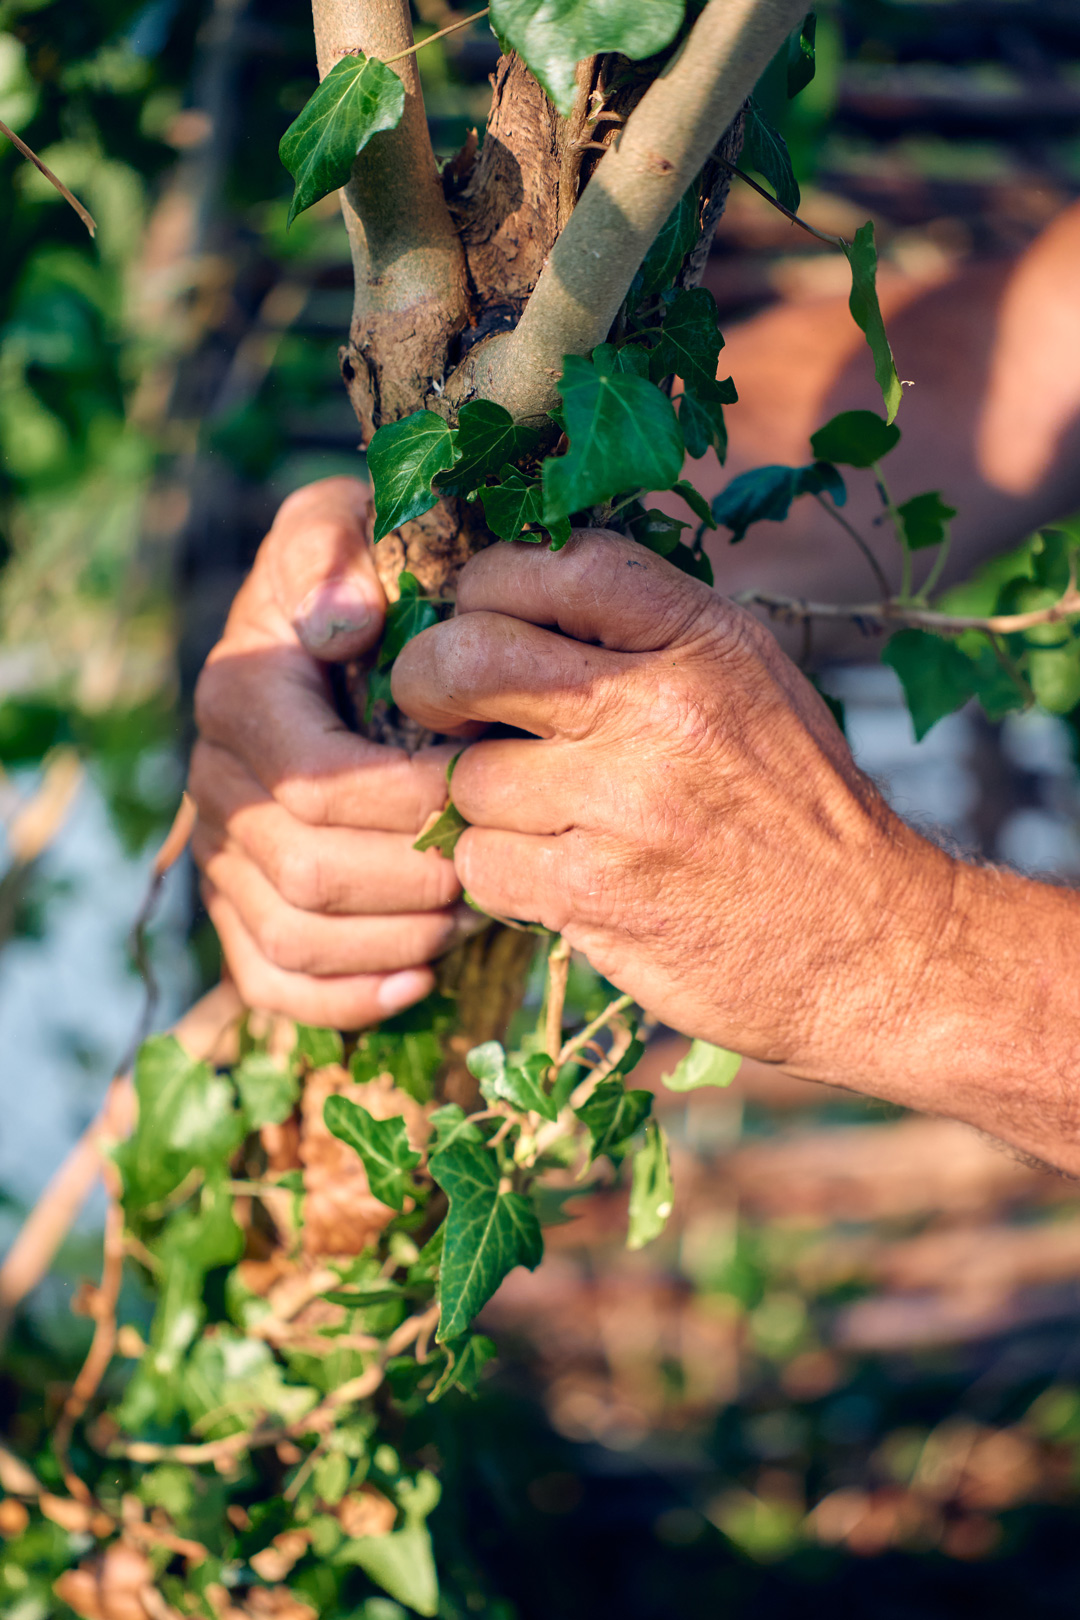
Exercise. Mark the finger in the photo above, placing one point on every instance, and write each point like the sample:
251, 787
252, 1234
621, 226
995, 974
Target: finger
321, 568
511, 874
305, 942
543, 788
270, 709
350, 1001
601, 587
334, 870
488, 666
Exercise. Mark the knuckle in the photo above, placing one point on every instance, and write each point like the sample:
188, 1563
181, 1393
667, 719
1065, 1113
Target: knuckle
297, 875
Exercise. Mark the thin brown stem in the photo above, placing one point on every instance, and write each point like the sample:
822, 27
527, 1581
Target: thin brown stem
451, 28
898, 612
812, 230
558, 973
584, 1036
849, 529
54, 180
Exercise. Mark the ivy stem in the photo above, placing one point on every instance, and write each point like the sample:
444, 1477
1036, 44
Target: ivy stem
451, 28
822, 236
31, 156
936, 571
584, 1036
879, 574
558, 973
898, 529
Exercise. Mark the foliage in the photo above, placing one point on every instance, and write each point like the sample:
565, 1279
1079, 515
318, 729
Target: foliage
358, 98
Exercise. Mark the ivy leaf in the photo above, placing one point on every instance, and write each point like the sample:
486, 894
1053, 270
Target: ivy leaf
673, 242
403, 458
451, 1124
407, 1046
652, 1194
359, 97
657, 530
767, 493
623, 435
268, 1092
939, 677
694, 563
522, 1087
690, 340
317, 1047
695, 501
405, 619
381, 1143
856, 438
766, 151
403, 1562
553, 36
447, 826
800, 55
631, 357
701, 417
703, 1065
187, 1119
925, 519
613, 1115
487, 437
489, 1231
866, 312
518, 500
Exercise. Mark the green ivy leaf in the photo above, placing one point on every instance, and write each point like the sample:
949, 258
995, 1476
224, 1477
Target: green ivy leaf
1054, 673
405, 619
866, 312
766, 151
317, 1048
407, 1047
657, 530
800, 55
520, 1086
623, 435
516, 501
268, 1092
701, 417
381, 1143
690, 340
187, 1120
553, 36
694, 563
925, 519
703, 1065
238, 1378
403, 1562
444, 833
489, 1231
855, 438
767, 493
451, 1124
652, 1194
487, 437
403, 458
674, 241
939, 677
359, 97
696, 502
631, 357
613, 1115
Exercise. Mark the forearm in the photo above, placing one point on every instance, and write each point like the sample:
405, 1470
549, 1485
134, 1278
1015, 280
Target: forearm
975, 1013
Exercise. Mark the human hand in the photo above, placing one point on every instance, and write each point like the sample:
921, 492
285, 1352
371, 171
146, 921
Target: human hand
304, 837
689, 817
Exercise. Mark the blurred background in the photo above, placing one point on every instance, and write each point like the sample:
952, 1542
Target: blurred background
850, 1371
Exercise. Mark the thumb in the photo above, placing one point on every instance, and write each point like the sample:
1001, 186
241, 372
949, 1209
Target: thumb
322, 568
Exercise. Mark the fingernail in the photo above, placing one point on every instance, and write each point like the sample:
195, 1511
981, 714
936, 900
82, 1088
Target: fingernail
336, 607
400, 990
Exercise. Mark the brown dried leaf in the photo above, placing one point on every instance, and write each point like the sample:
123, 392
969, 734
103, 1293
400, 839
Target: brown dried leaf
273, 1563
109, 1587
341, 1217
13, 1517
366, 1512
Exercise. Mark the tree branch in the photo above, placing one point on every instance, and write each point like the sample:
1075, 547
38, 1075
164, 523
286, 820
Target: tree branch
905, 613
664, 143
411, 297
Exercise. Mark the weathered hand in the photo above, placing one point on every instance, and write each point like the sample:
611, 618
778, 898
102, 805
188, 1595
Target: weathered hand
690, 816
324, 910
